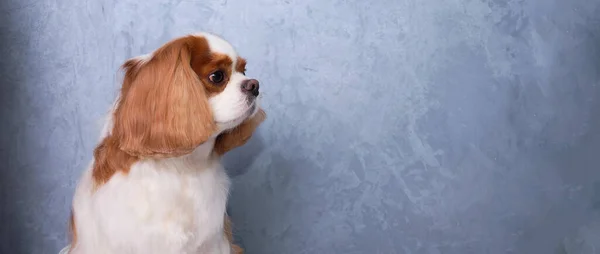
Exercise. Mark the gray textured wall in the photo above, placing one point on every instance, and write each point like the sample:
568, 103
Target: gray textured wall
414, 126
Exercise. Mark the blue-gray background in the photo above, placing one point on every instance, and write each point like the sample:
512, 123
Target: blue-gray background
413, 126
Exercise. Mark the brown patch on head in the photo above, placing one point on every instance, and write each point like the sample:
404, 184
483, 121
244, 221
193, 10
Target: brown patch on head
163, 109
240, 66
206, 64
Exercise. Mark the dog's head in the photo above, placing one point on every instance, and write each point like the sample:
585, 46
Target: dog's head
187, 91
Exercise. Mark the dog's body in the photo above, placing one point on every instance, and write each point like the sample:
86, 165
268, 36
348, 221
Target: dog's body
156, 184
165, 206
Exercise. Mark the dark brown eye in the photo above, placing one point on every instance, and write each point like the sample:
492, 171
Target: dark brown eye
216, 77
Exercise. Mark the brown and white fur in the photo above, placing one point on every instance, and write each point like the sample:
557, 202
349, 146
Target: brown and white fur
156, 184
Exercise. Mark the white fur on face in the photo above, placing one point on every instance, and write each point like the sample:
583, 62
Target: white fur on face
232, 106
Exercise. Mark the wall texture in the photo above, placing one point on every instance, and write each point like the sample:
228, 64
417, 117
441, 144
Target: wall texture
412, 126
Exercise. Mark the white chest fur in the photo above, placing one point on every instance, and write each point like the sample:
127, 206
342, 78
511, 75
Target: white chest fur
161, 206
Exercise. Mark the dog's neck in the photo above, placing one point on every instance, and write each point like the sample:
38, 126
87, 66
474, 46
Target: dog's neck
202, 157
205, 151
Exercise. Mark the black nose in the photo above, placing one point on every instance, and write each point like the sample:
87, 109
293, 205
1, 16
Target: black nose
250, 86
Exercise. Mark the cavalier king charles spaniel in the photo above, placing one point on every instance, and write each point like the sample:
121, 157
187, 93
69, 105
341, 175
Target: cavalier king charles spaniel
156, 184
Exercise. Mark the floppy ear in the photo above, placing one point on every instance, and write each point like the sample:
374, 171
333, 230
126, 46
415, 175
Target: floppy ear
163, 109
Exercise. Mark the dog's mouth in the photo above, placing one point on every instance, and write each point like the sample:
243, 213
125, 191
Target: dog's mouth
250, 111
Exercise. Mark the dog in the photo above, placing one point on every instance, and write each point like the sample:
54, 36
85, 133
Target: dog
156, 184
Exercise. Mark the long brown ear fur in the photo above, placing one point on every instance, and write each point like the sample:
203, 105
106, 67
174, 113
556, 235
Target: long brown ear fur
163, 108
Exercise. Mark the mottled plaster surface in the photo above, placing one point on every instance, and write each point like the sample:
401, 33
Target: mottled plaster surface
414, 126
